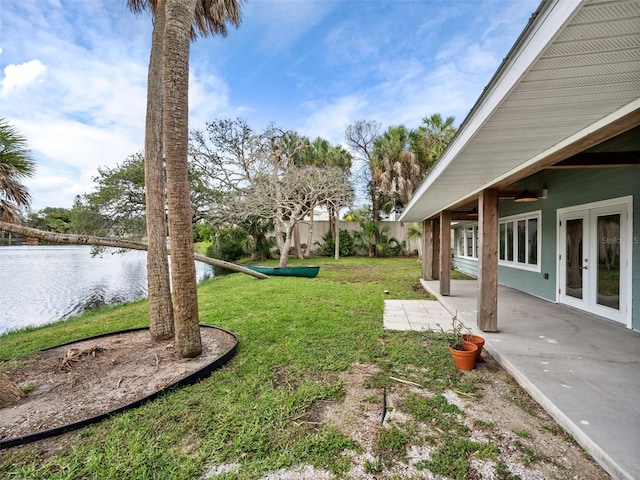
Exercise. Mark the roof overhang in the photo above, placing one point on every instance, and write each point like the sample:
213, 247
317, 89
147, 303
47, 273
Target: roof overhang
570, 82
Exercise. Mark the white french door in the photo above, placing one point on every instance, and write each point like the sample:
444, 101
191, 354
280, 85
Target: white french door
594, 252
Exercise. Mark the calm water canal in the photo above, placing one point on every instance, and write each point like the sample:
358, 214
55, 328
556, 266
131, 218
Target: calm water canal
44, 284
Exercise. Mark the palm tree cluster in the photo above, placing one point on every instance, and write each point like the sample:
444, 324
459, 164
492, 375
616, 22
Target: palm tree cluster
402, 157
16, 164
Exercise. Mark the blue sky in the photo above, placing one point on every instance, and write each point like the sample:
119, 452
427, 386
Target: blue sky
73, 72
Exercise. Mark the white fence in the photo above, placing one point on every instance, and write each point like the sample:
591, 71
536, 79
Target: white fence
397, 230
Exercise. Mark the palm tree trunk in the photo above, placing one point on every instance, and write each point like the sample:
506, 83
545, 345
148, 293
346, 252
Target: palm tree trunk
160, 306
179, 18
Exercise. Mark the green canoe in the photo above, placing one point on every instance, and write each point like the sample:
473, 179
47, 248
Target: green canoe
308, 272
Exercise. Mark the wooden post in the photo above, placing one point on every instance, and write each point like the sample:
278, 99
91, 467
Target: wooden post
488, 260
435, 242
427, 250
445, 252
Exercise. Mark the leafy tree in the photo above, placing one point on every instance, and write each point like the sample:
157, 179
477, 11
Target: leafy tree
16, 164
119, 199
51, 219
117, 205
358, 214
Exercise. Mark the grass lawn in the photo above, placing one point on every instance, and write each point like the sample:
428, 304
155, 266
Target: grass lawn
295, 338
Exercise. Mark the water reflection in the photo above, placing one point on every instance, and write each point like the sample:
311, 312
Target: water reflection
43, 284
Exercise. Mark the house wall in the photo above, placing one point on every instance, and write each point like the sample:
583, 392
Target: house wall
464, 265
568, 188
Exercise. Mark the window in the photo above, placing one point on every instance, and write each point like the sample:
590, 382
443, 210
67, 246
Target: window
519, 241
468, 242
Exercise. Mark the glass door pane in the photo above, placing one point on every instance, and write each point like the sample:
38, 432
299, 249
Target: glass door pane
573, 258
608, 277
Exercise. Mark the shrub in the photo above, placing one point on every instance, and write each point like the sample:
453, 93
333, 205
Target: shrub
328, 246
229, 244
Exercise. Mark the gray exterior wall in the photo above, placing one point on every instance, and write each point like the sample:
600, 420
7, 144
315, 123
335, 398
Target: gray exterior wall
567, 188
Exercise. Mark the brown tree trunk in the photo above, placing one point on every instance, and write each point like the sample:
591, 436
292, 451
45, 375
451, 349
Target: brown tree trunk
336, 242
175, 127
10, 393
286, 244
296, 241
160, 306
307, 252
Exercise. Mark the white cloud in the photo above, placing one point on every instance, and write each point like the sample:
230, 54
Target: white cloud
208, 98
17, 77
51, 190
330, 120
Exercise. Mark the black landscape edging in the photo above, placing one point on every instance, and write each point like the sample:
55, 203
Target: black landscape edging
195, 377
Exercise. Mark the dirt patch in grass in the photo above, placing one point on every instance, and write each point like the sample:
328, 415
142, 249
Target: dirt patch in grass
512, 442
505, 434
88, 378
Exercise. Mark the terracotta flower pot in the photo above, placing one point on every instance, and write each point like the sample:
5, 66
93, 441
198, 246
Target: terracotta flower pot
465, 359
477, 340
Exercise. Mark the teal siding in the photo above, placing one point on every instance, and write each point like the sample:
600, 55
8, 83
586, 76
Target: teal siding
567, 188
466, 265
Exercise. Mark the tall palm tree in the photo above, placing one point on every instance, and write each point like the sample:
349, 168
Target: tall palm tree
436, 134
15, 164
320, 153
399, 163
175, 127
207, 17
161, 325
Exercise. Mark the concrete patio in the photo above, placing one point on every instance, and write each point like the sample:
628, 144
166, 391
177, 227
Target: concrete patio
584, 370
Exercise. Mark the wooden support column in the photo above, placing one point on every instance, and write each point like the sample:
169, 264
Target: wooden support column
445, 252
435, 242
427, 250
488, 260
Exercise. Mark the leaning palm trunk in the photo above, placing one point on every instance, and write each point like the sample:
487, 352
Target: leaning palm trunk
73, 239
175, 128
160, 306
